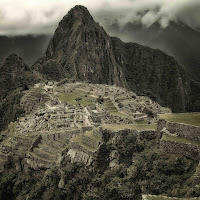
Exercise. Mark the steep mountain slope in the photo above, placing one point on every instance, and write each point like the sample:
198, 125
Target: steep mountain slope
15, 77
85, 52
177, 40
153, 73
83, 49
14, 74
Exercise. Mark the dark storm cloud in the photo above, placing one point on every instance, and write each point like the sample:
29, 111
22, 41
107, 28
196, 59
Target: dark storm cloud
37, 17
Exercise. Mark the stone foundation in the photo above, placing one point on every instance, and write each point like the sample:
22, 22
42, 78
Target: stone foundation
183, 130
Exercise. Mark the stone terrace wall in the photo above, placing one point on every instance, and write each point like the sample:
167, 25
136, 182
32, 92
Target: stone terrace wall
74, 145
148, 135
87, 140
188, 150
182, 130
65, 136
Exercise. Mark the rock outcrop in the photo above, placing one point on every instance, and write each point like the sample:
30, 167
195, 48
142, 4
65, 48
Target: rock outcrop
84, 50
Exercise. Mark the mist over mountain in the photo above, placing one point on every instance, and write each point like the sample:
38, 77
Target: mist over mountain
28, 47
41, 17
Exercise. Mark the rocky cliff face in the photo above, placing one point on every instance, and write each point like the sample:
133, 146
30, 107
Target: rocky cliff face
82, 49
155, 74
177, 40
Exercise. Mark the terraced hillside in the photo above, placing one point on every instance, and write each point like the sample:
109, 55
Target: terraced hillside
56, 113
105, 131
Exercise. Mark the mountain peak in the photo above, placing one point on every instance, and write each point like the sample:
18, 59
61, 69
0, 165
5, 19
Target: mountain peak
13, 57
79, 11
79, 8
14, 61
76, 13
84, 50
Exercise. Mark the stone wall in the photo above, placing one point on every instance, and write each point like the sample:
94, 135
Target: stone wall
87, 128
90, 142
38, 163
182, 130
161, 124
64, 136
188, 150
74, 145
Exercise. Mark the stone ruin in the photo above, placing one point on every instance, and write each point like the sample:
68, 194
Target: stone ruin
50, 125
189, 134
184, 140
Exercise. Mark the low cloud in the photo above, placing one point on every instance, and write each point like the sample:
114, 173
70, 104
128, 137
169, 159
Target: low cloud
41, 17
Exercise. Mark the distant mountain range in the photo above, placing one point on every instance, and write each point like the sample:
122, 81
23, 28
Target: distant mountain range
177, 40
28, 47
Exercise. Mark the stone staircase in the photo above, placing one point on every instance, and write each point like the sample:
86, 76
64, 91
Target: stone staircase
83, 148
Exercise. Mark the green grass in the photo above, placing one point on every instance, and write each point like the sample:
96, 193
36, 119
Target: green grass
139, 127
79, 141
186, 118
109, 107
71, 98
169, 198
92, 136
119, 114
180, 140
141, 122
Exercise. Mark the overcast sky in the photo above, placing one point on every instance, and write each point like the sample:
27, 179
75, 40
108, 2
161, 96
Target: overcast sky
42, 16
